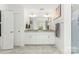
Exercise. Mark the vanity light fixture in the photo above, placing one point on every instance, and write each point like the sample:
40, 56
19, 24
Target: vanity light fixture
46, 15
32, 15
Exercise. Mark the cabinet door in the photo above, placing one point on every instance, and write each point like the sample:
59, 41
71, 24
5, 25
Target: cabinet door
7, 37
51, 38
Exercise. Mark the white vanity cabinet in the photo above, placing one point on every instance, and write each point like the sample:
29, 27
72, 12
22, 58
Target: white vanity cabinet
39, 37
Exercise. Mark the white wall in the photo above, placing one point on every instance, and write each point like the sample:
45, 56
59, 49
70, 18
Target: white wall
64, 42
60, 41
67, 28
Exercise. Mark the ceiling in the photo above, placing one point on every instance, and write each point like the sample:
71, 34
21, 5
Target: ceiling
32, 6
40, 6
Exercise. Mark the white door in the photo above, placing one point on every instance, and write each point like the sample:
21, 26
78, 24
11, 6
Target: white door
18, 29
7, 41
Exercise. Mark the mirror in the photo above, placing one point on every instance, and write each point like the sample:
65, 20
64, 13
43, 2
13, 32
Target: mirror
38, 23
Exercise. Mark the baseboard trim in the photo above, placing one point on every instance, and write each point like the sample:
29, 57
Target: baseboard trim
39, 45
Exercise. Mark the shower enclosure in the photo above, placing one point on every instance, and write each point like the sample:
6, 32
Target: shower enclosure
75, 28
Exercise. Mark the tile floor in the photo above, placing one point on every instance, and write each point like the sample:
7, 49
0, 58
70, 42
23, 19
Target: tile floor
30, 49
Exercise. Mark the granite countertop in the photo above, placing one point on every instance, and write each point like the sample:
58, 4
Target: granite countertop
39, 31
